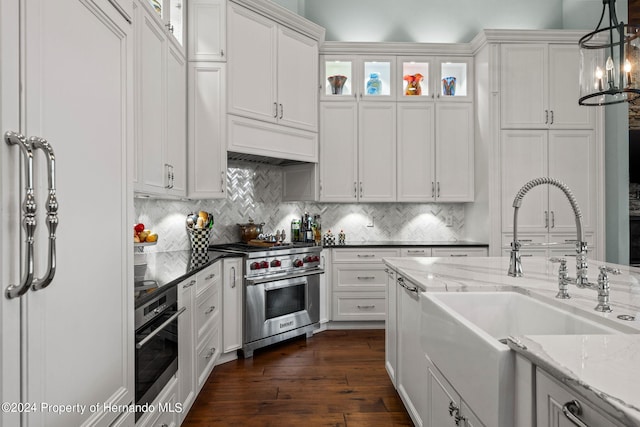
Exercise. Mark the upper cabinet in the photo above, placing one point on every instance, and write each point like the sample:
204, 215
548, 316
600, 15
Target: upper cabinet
348, 78
271, 71
171, 14
436, 78
160, 73
543, 75
207, 38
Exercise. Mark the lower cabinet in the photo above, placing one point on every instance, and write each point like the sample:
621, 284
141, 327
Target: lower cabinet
391, 327
232, 303
551, 397
167, 412
199, 332
359, 283
445, 406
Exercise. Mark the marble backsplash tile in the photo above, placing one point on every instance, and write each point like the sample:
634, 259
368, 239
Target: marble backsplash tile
255, 191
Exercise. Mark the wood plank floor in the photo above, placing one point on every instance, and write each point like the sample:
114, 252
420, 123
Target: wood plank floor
336, 378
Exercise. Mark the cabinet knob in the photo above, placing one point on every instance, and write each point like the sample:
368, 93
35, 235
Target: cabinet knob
210, 309
221, 52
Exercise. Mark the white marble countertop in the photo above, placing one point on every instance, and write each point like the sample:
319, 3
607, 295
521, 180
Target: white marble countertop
604, 370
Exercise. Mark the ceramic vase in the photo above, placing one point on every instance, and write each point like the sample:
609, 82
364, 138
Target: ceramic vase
337, 83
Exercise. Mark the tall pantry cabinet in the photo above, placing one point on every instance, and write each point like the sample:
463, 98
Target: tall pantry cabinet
66, 75
527, 93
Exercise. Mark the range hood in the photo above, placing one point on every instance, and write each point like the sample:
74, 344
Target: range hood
265, 160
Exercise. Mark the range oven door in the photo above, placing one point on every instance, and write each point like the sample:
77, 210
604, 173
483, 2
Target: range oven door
274, 307
156, 355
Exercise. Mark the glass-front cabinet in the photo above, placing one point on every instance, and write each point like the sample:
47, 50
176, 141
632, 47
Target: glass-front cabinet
365, 78
172, 14
421, 78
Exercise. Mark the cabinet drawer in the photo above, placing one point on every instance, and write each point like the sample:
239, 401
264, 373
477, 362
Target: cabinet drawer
207, 353
208, 277
363, 255
458, 252
359, 306
348, 277
207, 309
415, 252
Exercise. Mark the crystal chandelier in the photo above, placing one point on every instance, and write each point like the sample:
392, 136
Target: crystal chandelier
610, 62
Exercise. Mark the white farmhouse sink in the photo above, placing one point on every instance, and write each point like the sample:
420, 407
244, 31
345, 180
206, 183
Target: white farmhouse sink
461, 333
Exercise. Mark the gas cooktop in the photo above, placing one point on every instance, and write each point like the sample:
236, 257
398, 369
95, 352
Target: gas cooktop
246, 247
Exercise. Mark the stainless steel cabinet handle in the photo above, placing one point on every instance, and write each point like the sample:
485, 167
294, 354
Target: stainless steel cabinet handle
281, 111
433, 189
211, 276
221, 52
28, 215
210, 309
52, 212
459, 255
364, 307
361, 191
553, 219
572, 410
365, 255
160, 328
546, 117
416, 251
275, 108
546, 219
168, 172
223, 185
551, 117
188, 285
366, 277
438, 189
169, 27
355, 189
233, 282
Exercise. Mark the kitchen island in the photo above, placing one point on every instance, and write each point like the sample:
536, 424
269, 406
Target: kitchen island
601, 371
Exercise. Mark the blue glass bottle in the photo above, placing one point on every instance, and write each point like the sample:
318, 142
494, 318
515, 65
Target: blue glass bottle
374, 85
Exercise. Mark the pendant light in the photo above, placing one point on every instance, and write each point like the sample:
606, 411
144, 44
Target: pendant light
610, 62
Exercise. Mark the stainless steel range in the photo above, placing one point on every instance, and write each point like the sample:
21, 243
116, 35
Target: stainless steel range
281, 292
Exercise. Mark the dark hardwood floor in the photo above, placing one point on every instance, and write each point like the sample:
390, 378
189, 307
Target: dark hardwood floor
335, 378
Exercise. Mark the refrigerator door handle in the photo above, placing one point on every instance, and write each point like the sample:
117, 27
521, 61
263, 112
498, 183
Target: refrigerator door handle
52, 211
28, 214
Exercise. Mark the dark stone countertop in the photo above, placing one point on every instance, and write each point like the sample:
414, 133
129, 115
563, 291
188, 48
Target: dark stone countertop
409, 244
168, 269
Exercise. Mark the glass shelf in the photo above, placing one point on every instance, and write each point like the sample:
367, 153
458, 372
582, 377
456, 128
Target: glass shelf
415, 79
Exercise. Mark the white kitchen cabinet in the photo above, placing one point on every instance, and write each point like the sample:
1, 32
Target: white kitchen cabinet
359, 71
458, 252
431, 138
231, 304
543, 75
171, 16
568, 156
272, 71
160, 109
167, 410
416, 252
391, 326
551, 396
325, 287
446, 79
445, 407
207, 35
411, 375
186, 345
207, 150
358, 151
74, 87
359, 282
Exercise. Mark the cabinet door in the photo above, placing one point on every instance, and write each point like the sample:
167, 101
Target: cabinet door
151, 115
377, 152
297, 76
207, 129
78, 85
441, 396
523, 75
416, 152
572, 161
564, 90
338, 151
176, 122
412, 375
232, 304
454, 152
524, 156
252, 64
391, 327
207, 30
186, 346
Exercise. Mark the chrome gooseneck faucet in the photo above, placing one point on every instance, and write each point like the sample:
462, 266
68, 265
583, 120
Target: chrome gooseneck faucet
515, 264
581, 280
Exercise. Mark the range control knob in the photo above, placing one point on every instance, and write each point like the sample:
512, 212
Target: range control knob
276, 263
316, 258
254, 266
264, 264
298, 263
308, 258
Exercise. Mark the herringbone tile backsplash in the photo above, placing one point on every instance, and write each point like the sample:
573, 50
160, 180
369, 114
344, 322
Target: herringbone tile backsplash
255, 191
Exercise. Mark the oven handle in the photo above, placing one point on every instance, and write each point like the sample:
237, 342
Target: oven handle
160, 328
251, 282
